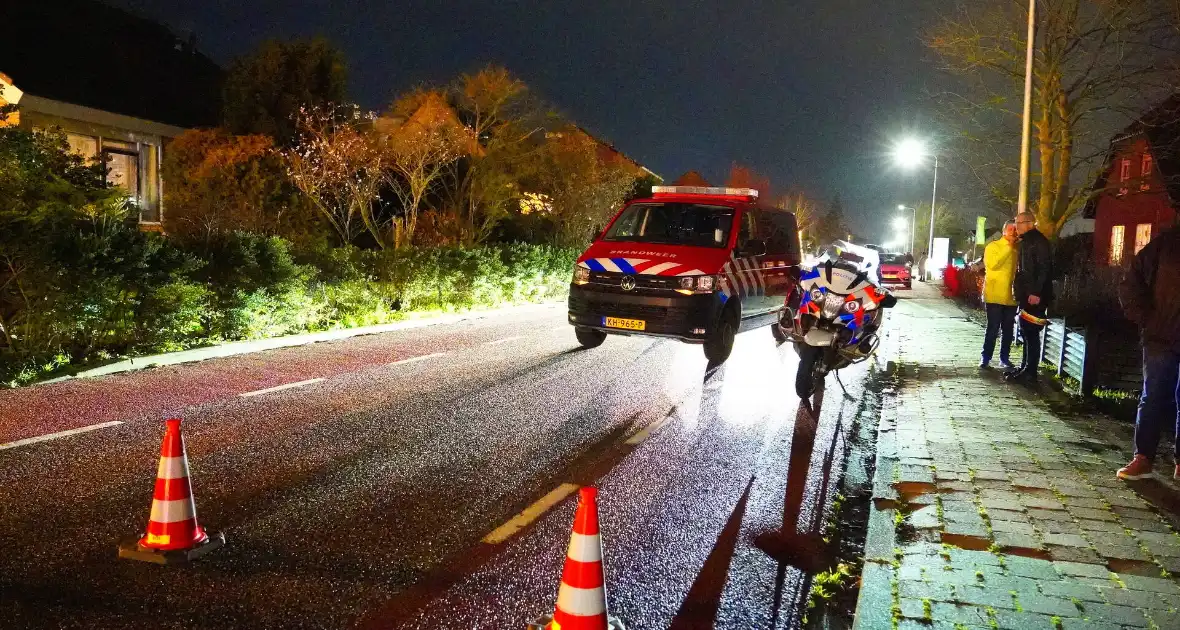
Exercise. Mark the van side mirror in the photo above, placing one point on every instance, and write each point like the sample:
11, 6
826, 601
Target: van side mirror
889, 302
754, 247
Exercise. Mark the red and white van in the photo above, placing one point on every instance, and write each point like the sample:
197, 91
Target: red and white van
691, 263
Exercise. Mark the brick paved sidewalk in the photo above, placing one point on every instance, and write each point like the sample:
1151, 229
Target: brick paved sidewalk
996, 507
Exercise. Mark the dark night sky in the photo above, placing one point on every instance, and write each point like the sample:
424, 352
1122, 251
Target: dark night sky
809, 92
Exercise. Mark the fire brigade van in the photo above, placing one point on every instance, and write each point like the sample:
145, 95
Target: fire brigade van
697, 264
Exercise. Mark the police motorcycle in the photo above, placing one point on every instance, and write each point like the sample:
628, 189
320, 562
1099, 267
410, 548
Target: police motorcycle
833, 317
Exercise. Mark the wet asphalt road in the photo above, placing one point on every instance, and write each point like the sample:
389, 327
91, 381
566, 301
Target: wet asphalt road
362, 499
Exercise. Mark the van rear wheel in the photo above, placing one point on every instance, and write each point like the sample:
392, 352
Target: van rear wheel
589, 338
719, 343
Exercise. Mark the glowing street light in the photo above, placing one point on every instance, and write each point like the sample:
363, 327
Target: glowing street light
910, 153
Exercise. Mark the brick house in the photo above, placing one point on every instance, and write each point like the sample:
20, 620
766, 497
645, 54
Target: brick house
1140, 186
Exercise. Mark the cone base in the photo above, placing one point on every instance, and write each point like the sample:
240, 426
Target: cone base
543, 623
131, 550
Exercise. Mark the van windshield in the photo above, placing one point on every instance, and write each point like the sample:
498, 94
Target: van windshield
673, 224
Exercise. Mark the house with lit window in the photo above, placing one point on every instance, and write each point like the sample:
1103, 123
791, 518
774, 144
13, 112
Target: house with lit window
1140, 186
119, 87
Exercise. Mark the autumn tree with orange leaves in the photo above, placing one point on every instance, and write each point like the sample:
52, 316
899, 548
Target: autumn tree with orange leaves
219, 182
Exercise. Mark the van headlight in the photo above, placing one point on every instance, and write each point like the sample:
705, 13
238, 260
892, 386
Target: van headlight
697, 284
581, 275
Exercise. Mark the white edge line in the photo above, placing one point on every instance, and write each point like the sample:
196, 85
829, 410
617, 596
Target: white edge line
504, 340
280, 388
530, 514
59, 434
421, 358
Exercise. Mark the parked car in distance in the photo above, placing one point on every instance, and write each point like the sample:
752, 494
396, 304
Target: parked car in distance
896, 271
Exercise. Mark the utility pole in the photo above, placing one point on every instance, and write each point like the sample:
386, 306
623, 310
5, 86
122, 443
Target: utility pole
1026, 131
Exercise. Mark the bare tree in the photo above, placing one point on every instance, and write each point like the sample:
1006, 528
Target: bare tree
424, 140
805, 209
1097, 63
341, 168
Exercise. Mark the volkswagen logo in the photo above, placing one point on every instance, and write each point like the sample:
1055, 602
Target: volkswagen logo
627, 283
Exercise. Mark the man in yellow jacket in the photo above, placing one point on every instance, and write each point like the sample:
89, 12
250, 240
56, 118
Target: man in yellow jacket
999, 262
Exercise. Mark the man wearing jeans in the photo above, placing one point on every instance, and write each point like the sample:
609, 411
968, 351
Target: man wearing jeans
1033, 286
1150, 294
999, 262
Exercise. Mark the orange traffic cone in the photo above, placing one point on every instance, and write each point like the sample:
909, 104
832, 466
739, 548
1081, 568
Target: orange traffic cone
173, 535
581, 598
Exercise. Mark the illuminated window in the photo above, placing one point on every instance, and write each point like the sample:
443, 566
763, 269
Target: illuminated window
85, 146
1124, 170
1146, 172
1117, 235
1142, 236
122, 161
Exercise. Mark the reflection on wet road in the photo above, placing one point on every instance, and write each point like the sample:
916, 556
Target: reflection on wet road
366, 497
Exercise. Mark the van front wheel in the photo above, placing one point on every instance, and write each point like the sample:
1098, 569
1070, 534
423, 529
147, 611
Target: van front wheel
589, 338
719, 343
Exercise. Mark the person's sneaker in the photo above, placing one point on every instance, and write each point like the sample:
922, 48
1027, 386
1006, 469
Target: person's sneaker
1007, 365
1139, 468
984, 365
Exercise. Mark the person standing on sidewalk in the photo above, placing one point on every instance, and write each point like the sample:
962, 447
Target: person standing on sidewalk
1150, 294
922, 261
1033, 286
999, 263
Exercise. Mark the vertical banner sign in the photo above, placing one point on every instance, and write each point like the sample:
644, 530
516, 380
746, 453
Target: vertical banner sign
980, 230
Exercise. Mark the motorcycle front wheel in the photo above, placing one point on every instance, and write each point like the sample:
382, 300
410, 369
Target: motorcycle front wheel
805, 374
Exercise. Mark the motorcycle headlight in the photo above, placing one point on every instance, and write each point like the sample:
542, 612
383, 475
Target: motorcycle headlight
852, 306
817, 296
832, 305
581, 275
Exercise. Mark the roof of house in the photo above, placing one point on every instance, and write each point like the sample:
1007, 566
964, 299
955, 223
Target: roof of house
87, 53
1161, 128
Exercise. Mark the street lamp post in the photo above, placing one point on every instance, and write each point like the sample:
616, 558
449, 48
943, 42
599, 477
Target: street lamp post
933, 202
910, 153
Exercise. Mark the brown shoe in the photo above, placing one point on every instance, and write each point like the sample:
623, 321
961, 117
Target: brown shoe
1139, 468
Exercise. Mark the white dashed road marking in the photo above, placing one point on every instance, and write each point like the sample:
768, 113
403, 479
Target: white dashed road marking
421, 358
59, 434
504, 340
281, 387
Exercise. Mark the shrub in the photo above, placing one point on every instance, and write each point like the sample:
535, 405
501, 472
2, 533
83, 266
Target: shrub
258, 288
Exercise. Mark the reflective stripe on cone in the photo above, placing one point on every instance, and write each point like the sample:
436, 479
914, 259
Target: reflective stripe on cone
172, 523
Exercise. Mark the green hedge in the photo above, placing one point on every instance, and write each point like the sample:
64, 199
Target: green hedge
81, 284
248, 286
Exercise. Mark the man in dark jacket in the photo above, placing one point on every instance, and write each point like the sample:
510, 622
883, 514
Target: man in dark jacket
1033, 286
1150, 294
